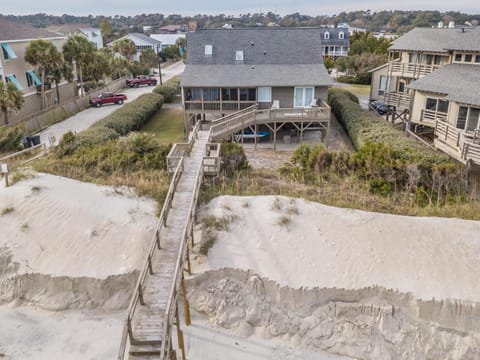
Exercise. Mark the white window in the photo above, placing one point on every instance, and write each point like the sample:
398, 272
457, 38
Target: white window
239, 55
208, 50
326, 35
382, 86
303, 97
265, 94
341, 35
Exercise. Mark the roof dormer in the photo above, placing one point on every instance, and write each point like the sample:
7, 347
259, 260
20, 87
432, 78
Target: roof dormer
208, 50
239, 57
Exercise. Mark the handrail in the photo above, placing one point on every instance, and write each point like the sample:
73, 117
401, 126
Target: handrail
180, 258
154, 243
21, 152
234, 114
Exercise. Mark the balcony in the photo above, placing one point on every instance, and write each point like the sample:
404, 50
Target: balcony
399, 100
457, 143
431, 117
220, 106
411, 70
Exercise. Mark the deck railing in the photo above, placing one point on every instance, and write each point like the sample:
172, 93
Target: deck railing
209, 105
398, 100
155, 245
187, 235
464, 148
430, 117
412, 70
24, 156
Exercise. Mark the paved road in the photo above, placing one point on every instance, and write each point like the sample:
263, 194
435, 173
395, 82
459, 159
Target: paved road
87, 117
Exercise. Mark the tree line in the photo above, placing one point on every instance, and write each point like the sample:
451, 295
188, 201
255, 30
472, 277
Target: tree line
396, 21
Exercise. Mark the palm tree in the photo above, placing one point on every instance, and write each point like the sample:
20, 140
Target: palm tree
63, 70
125, 47
41, 53
10, 99
79, 49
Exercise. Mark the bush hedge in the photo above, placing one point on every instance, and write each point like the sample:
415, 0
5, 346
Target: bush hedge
133, 115
11, 137
364, 127
385, 159
169, 89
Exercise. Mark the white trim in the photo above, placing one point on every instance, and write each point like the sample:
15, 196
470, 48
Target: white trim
303, 96
267, 97
30, 40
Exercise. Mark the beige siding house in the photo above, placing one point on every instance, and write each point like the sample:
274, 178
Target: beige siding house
432, 77
14, 40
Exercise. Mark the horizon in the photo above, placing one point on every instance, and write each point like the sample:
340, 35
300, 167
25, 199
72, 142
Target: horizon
215, 7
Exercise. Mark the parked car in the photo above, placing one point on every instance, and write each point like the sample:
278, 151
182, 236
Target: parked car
108, 98
142, 80
379, 107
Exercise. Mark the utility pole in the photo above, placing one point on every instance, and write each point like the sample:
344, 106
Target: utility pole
160, 69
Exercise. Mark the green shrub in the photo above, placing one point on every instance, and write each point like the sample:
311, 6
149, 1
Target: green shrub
364, 127
133, 115
135, 69
380, 186
169, 89
233, 158
385, 159
95, 135
11, 137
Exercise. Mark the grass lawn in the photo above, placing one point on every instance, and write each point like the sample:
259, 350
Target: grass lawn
359, 90
166, 125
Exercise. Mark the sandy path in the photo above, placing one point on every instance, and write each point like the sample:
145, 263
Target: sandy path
87, 117
323, 246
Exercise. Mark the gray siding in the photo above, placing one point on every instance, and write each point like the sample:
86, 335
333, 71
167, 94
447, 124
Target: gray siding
284, 95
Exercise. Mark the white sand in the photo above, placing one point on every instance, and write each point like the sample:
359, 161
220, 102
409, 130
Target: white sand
323, 246
32, 334
205, 343
68, 245
64, 227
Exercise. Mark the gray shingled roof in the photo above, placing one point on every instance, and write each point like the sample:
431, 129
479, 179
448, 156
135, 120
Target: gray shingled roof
133, 36
438, 40
253, 76
459, 82
270, 46
10, 30
334, 40
272, 57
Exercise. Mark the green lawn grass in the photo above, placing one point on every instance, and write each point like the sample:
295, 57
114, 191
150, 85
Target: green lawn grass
359, 90
166, 125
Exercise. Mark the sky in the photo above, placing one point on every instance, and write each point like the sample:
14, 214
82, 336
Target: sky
193, 7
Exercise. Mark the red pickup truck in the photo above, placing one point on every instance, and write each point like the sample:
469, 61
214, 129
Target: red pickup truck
108, 98
142, 80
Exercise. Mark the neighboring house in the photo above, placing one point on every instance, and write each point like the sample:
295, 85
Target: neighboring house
142, 42
432, 79
335, 41
173, 29
277, 69
168, 39
14, 40
92, 34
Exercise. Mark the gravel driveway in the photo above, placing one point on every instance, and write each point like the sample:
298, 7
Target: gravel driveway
87, 117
